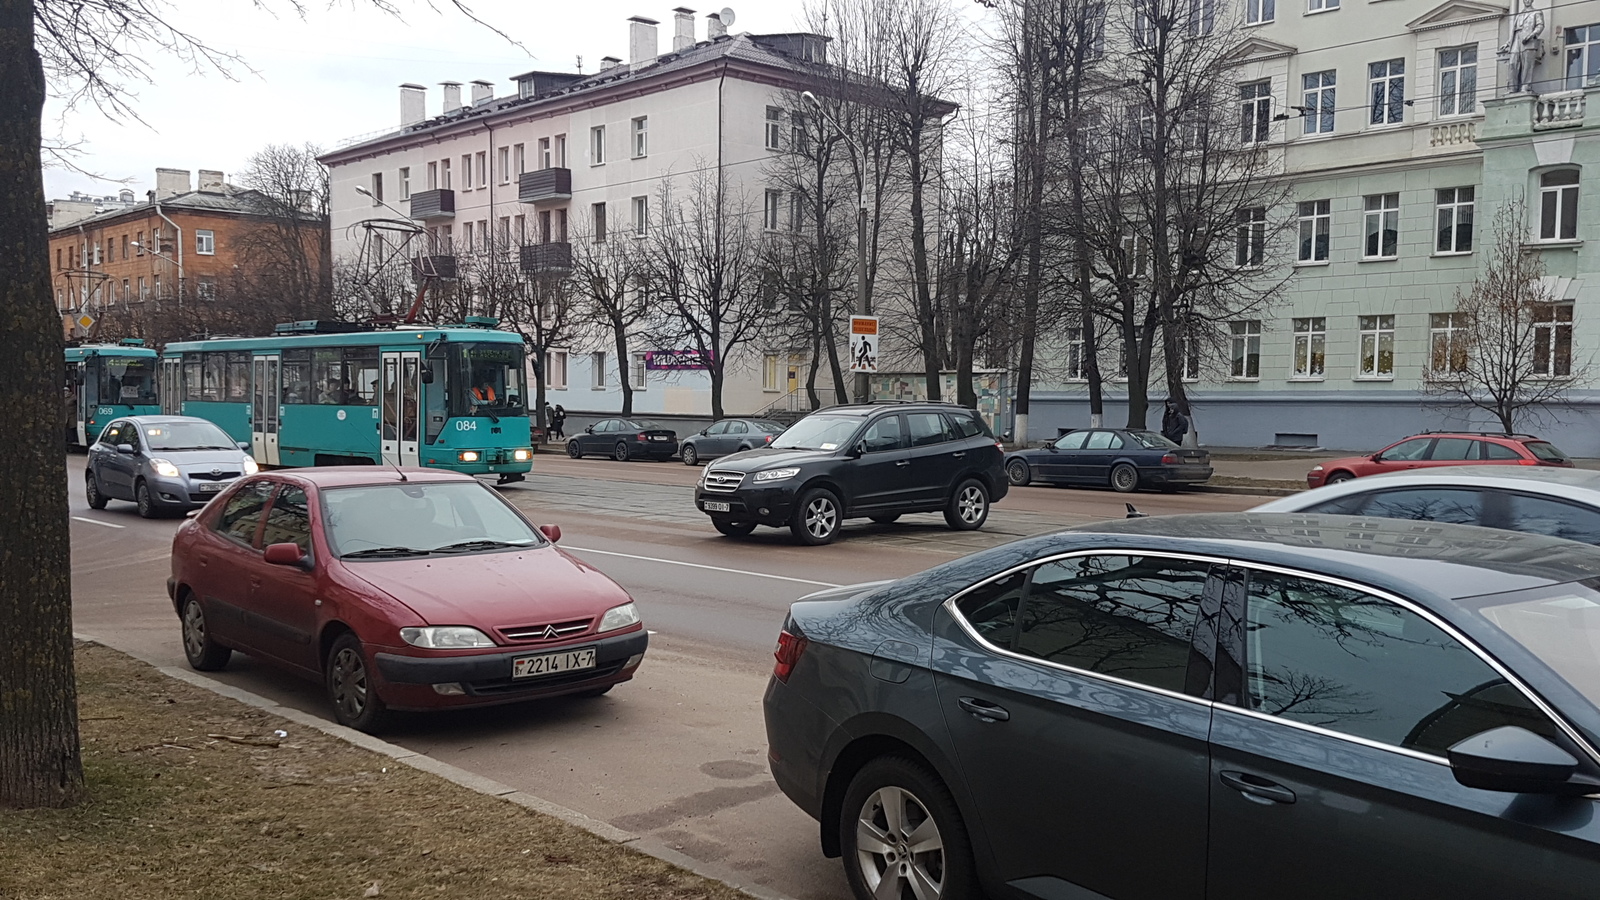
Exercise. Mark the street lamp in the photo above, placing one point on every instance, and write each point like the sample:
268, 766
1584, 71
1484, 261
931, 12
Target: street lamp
363, 191
144, 248
863, 303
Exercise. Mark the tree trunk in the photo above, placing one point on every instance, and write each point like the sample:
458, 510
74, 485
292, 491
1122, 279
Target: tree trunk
39, 759
619, 335
919, 267
1091, 341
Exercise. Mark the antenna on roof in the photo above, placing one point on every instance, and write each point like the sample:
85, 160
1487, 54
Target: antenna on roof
726, 16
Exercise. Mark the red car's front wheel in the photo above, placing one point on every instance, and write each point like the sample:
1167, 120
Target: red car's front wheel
350, 689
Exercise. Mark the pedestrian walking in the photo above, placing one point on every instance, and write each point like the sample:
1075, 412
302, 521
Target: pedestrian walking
558, 421
1174, 424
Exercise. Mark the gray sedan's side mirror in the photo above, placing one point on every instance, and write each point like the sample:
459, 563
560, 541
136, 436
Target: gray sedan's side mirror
244, 445
1515, 760
125, 449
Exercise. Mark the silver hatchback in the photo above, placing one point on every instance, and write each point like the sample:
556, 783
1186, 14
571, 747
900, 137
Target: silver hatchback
163, 463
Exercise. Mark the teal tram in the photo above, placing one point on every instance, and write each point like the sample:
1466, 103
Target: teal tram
104, 381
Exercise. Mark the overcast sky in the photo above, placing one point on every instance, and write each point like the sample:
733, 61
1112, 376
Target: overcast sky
336, 75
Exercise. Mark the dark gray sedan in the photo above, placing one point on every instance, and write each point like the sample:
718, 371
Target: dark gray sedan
1246, 706
728, 436
162, 463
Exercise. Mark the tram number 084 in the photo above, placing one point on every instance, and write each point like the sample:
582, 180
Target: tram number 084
466, 425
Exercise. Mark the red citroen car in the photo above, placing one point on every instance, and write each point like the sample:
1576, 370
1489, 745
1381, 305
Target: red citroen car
405, 589
1454, 448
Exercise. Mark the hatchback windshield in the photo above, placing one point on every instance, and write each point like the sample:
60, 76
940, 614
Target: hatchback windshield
818, 433
170, 436
418, 519
1545, 450
1560, 625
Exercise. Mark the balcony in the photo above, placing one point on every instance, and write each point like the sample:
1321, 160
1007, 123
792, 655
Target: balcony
1563, 109
435, 204
545, 186
547, 259
433, 266
1452, 134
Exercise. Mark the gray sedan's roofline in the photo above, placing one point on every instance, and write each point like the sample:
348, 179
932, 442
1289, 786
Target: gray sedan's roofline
1573, 484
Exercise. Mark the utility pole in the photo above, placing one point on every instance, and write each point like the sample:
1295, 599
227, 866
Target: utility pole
863, 305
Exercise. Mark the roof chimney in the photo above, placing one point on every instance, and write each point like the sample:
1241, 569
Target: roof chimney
715, 28
413, 104
171, 183
683, 29
211, 181
482, 92
609, 62
642, 46
452, 96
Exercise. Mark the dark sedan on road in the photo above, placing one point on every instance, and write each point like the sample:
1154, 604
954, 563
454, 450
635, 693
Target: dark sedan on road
728, 436
162, 463
1124, 458
1254, 706
404, 589
624, 439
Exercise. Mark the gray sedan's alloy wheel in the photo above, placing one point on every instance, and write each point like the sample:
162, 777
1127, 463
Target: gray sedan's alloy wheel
689, 456
1018, 472
146, 501
903, 837
1124, 478
91, 491
817, 518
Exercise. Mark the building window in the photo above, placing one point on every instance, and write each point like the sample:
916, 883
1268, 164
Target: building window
1377, 346
1310, 346
1244, 351
544, 154
597, 213
799, 137
483, 168
205, 242
505, 164
466, 171
555, 370
124, 247
597, 371
1258, 11
144, 289
433, 176
1318, 96
1250, 240
520, 225
444, 174
772, 204
1447, 344
519, 157
641, 137
1317, 6
138, 243
1189, 365
769, 372
1388, 82
774, 128
1316, 223
405, 184
1255, 111
1077, 364
504, 235
597, 145
1583, 57
205, 288
641, 375
1383, 226
1458, 81
561, 151
1136, 254
1552, 340
156, 286
466, 236
1558, 205
1455, 220
561, 225
641, 216
377, 188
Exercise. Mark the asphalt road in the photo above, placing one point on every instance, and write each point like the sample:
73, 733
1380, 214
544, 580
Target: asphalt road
679, 753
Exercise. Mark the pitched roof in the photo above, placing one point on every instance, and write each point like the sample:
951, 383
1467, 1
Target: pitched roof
232, 199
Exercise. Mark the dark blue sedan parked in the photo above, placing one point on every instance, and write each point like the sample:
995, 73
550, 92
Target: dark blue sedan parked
1123, 458
1254, 706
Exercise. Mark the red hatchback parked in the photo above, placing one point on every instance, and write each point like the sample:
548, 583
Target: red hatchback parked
397, 589
1452, 448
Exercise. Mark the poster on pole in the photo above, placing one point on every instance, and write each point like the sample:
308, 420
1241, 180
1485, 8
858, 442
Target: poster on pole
863, 343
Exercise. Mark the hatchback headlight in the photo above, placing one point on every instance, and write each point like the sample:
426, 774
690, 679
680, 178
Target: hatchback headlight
1316, 468
249, 466
778, 474
445, 637
164, 468
619, 617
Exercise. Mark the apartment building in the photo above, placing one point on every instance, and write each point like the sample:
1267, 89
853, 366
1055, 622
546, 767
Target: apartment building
1403, 129
571, 157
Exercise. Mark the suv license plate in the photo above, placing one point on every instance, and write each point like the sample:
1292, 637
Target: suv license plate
718, 506
213, 487
551, 663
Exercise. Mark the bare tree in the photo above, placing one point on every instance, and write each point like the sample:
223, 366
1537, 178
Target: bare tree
288, 244
1507, 348
609, 285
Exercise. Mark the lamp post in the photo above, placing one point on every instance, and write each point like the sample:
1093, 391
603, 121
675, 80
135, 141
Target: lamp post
863, 303
365, 192
143, 248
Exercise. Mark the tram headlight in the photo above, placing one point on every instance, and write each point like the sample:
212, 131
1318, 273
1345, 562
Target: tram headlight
468, 456
521, 455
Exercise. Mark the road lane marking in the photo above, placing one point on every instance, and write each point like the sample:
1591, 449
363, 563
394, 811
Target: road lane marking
97, 522
674, 562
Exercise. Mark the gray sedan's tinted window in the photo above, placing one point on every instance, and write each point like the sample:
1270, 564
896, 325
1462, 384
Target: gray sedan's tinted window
1458, 507
1554, 518
1128, 616
1341, 659
991, 610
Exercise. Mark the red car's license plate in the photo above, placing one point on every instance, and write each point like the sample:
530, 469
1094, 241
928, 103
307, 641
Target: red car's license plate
552, 663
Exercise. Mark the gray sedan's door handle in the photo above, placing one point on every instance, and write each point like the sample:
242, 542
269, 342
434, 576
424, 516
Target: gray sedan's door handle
959, 453
903, 462
984, 710
1256, 788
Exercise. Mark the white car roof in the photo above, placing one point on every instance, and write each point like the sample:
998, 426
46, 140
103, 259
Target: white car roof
1578, 485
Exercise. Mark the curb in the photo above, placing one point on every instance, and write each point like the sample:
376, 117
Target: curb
1242, 489
473, 782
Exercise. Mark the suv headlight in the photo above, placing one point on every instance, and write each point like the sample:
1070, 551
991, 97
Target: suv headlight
619, 617
164, 467
249, 466
778, 474
445, 637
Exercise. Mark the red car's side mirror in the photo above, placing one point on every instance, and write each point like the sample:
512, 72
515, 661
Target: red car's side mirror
285, 554
551, 532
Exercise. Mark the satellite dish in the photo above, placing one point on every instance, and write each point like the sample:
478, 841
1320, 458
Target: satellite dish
726, 16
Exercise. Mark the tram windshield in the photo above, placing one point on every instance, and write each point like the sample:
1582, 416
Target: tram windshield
128, 380
487, 380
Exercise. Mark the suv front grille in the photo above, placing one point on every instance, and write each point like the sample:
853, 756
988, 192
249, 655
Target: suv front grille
724, 482
554, 631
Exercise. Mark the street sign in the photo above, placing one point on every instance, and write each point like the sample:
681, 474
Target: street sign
864, 343
86, 321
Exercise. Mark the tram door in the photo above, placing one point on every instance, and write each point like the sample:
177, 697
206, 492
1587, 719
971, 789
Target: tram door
264, 409
171, 386
80, 401
400, 420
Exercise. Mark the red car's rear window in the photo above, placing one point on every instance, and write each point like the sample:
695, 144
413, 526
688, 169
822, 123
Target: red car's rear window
1545, 450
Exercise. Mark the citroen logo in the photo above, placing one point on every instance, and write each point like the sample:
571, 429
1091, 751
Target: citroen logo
550, 632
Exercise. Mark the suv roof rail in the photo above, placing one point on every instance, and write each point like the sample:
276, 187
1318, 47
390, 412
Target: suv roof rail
910, 402
1509, 434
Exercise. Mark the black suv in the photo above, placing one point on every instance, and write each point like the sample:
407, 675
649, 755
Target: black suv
876, 461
